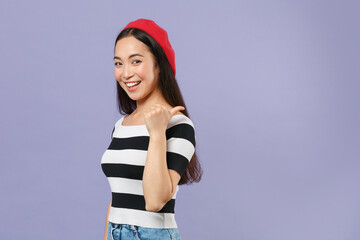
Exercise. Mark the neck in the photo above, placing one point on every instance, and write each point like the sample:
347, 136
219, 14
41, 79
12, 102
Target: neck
153, 98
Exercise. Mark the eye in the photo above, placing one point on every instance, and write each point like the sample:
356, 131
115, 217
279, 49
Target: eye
136, 61
118, 63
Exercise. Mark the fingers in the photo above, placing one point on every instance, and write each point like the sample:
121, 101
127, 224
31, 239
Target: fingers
176, 109
154, 109
158, 107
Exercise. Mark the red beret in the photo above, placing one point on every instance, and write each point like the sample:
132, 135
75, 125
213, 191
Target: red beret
158, 34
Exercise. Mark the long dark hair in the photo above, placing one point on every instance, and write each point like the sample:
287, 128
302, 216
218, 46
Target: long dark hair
169, 89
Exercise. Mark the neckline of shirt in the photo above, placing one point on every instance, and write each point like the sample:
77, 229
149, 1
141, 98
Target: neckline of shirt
143, 125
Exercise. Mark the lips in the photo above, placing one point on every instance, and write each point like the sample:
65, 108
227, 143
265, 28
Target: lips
132, 86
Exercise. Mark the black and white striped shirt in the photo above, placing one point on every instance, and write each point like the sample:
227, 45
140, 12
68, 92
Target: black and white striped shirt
123, 164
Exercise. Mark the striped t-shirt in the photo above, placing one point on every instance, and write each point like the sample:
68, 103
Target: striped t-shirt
123, 164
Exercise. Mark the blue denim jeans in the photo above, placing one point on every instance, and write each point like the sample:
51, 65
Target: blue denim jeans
133, 232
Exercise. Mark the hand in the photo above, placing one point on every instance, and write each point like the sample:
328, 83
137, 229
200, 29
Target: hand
158, 117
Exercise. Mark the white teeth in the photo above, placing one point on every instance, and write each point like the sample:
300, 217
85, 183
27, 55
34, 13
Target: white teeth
132, 84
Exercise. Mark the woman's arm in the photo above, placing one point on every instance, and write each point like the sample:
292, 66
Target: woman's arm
157, 185
158, 182
107, 222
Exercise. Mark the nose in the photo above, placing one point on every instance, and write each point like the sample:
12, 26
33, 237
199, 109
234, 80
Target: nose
127, 72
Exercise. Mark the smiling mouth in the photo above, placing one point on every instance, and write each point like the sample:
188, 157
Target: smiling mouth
132, 84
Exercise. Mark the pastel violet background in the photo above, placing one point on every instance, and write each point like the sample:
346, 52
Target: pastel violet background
271, 86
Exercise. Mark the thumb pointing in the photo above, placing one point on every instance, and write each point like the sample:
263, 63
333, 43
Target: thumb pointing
176, 109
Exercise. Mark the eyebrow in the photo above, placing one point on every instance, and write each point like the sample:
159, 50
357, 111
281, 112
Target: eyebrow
132, 55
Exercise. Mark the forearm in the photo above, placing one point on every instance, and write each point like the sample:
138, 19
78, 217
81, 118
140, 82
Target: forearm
107, 222
156, 178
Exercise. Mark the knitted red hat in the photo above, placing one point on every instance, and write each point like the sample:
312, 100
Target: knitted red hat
158, 34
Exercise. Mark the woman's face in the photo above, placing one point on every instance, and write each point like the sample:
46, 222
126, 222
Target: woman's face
135, 63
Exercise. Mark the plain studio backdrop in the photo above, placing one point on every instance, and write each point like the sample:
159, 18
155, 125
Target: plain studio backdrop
271, 86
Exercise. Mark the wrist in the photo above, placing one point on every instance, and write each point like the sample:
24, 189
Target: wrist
158, 135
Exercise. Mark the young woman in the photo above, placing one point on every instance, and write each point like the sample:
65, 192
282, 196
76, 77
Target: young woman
153, 146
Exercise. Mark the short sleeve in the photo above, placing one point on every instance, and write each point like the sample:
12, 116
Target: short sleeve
180, 144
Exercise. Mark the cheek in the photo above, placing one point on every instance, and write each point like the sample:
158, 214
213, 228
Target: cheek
117, 74
144, 72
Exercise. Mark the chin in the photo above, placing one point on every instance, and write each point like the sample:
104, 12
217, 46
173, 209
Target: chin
134, 97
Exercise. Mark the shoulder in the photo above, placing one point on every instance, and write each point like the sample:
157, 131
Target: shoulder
181, 127
180, 118
118, 122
